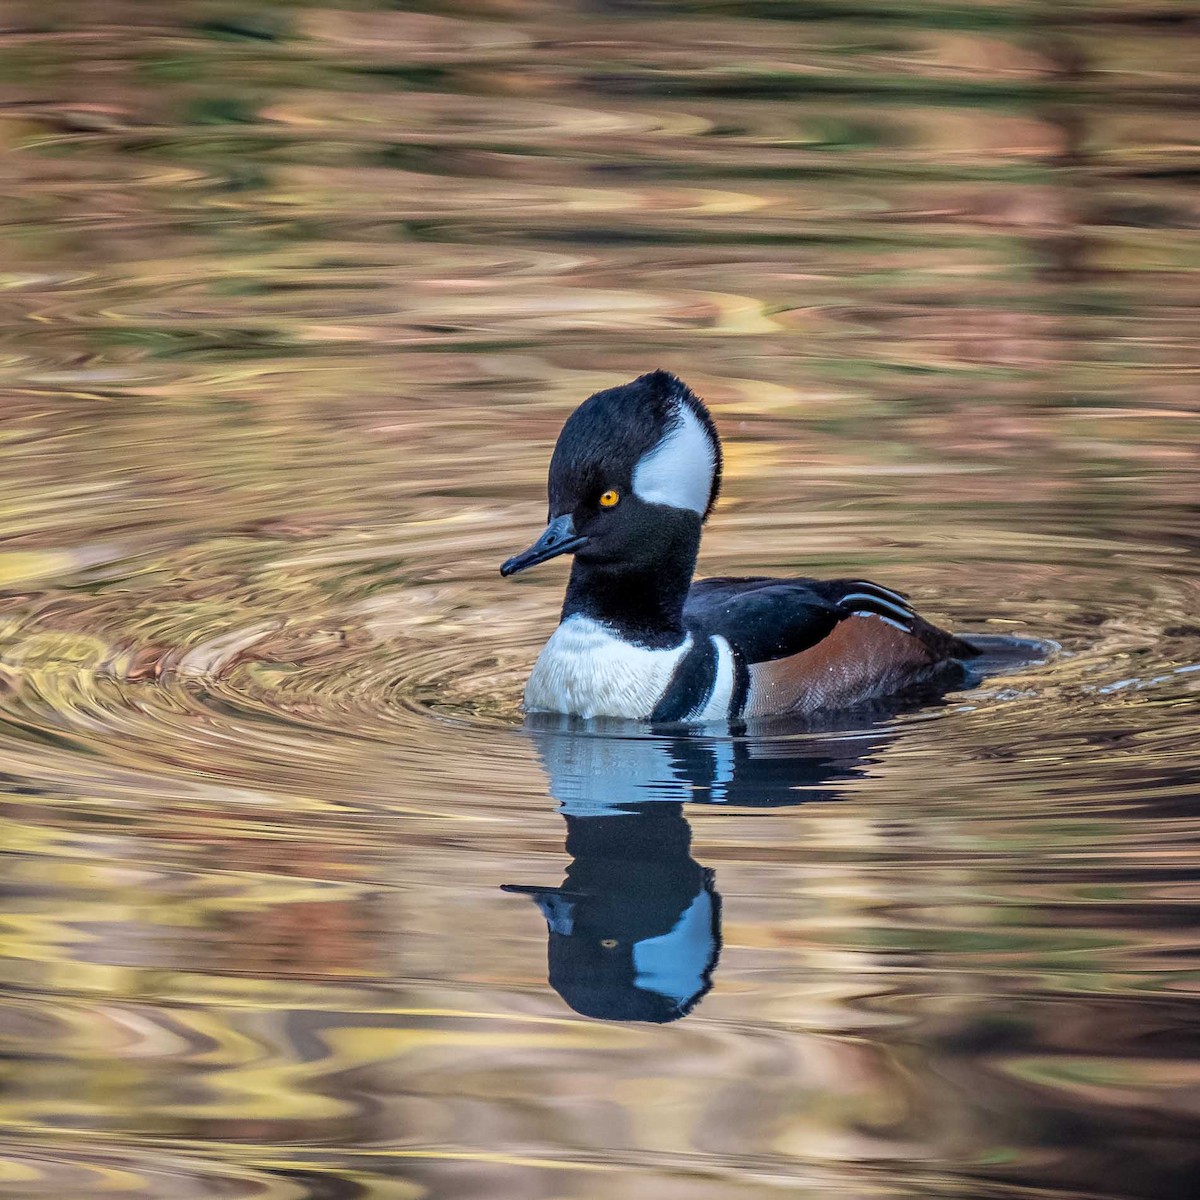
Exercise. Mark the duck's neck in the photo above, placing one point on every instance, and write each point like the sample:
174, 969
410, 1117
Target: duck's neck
642, 604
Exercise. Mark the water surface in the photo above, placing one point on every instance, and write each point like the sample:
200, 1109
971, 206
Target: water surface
295, 300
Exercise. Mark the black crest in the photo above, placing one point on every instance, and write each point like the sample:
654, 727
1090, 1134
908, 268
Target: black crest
604, 438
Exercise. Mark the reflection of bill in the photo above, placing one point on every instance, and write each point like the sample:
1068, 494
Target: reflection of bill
635, 927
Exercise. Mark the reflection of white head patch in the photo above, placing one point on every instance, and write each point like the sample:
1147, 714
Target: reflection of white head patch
673, 964
679, 470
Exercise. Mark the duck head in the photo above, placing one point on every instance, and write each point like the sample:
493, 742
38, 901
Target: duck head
634, 475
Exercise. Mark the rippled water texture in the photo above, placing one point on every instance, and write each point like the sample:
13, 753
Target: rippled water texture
294, 300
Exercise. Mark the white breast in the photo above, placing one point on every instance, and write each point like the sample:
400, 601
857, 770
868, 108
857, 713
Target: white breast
587, 670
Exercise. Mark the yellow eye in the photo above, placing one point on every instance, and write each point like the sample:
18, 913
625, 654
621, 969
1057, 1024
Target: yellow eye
609, 498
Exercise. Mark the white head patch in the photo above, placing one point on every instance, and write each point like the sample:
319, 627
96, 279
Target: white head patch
679, 470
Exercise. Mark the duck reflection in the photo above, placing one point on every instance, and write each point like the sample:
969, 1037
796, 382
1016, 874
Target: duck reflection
635, 927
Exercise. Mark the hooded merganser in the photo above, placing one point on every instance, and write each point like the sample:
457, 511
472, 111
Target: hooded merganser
633, 478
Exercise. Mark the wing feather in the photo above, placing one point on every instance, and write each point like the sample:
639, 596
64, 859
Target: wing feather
807, 644
863, 658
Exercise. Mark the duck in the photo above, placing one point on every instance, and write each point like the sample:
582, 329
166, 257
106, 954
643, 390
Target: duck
634, 476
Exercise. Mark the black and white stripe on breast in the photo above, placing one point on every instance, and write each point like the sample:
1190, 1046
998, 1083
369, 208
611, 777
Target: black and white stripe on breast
699, 684
691, 685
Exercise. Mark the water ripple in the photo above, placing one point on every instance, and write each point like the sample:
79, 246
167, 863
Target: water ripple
295, 301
